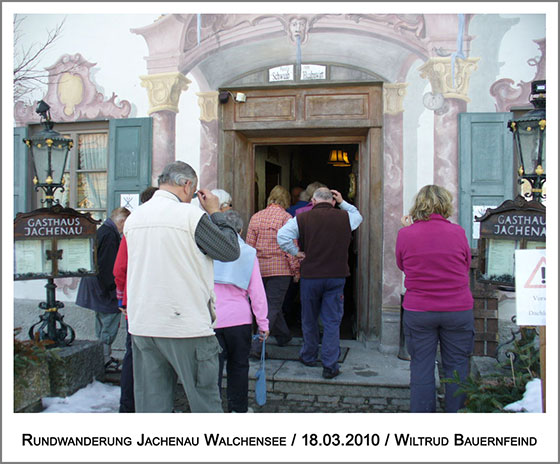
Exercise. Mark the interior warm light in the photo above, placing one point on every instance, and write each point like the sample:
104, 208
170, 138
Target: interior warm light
339, 158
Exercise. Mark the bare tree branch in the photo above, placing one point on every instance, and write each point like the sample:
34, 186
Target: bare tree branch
27, 76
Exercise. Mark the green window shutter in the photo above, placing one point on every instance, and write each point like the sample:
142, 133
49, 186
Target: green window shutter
486, 175
130, 158
21, 172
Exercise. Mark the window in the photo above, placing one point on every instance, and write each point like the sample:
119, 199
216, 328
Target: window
85, 177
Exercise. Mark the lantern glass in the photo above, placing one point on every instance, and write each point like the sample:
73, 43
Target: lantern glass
49, 161
530, 139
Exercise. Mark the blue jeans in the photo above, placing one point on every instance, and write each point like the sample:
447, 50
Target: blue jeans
454, 330
324, 298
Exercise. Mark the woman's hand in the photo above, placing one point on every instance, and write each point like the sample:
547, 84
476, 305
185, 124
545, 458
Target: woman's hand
407, 220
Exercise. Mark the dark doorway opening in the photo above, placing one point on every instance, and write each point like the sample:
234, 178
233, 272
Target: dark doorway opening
298, 166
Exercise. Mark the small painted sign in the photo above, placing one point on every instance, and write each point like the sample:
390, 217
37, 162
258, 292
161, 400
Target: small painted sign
130, 201
281, 73
530, 287
311, 72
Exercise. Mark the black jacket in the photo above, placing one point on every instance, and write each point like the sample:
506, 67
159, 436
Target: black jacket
99, 292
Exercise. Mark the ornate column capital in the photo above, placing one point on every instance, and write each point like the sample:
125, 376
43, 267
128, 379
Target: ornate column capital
440, 72
393, 97
164, 90
208, 102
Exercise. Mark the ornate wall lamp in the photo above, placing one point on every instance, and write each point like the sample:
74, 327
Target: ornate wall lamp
529, 138
49, 152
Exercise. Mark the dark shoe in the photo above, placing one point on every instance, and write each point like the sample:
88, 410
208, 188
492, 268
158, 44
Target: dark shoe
283, 341
309, 363
113, 366
330, 373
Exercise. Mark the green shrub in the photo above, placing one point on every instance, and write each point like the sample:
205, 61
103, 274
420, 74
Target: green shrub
491, 393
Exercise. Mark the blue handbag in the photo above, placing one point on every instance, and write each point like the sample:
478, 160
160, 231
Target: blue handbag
260, 376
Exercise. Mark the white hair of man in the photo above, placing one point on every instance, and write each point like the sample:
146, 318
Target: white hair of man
234, 219
177, 173
323, 194
223, 196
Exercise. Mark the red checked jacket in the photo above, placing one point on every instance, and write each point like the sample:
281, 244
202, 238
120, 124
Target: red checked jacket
261, 235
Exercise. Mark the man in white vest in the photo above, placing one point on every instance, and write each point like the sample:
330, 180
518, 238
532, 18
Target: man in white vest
170, 281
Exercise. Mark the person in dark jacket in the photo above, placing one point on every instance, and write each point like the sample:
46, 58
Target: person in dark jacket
99, 292
324, 234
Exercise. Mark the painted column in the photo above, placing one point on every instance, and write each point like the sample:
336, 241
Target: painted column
450, 85
208, 176
164, 91
393, 96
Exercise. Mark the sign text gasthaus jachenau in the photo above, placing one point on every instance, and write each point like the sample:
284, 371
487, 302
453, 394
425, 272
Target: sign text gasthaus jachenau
54, 242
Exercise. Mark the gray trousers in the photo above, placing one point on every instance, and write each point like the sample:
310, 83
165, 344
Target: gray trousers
158, 362
107, 326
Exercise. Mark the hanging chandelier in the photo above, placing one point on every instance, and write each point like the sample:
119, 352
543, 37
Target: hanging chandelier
339, 158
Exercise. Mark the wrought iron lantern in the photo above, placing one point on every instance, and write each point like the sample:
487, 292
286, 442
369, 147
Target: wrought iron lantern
49, 152
529, 137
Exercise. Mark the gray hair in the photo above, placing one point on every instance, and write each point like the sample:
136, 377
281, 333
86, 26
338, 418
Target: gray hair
177, 173
310, 189
233, 218
223, 196
323, 194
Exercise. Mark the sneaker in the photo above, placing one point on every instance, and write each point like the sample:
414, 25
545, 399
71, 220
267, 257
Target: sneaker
309, 363
330, 373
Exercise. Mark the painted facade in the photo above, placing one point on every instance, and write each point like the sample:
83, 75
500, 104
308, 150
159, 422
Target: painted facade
171, 68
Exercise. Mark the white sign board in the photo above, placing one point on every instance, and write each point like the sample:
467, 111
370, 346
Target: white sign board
130, 201
530, 287
310, 72
281, 73
478, 211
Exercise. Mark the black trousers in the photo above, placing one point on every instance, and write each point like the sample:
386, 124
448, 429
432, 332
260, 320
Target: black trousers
276, 288
127, 378
236, 343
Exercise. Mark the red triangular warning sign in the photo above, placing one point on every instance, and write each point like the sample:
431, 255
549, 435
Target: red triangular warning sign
536, 279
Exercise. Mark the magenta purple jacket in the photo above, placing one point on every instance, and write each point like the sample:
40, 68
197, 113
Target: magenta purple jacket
435, 257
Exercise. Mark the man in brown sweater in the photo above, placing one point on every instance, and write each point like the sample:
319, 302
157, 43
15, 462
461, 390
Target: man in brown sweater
324, 234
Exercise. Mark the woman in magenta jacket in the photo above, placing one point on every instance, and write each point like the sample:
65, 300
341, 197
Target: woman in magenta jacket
435, 256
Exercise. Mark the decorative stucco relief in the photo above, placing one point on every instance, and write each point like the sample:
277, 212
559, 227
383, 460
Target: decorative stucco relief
449, 82
164, 90
393, 98
72, 95
208, 103
399, 22
507, 96
220, 29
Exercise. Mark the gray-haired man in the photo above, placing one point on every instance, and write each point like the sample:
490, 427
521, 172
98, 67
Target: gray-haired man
170, 281
324, 234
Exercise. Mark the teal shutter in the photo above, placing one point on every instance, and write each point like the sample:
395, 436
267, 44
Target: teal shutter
130, 158
21, 172
486, 174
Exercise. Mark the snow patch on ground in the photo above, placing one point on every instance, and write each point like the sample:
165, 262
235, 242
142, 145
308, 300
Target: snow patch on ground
531, 401
95, 397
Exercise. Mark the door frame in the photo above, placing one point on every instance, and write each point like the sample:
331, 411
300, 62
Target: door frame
369, 236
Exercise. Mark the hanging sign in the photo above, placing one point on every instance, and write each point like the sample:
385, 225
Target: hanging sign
530, 287
54, 242
514, 225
